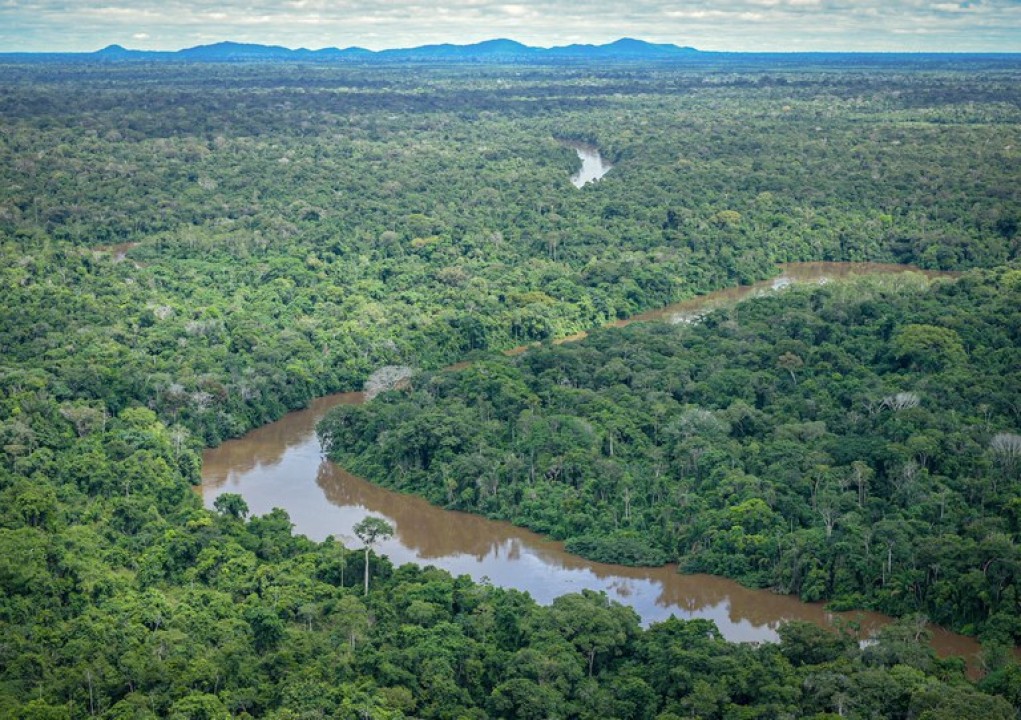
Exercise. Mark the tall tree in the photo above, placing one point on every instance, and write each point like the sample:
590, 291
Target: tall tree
370, 531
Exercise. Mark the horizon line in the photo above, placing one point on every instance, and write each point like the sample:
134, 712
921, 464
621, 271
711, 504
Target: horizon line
115, 46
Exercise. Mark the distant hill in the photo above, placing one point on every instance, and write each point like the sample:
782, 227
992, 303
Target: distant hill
503, 50
498, 50
237, 51
113, 51
623, 48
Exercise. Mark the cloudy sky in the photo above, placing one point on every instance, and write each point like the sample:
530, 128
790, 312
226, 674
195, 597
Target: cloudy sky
776, 25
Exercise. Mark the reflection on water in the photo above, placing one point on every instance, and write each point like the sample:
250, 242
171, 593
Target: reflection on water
512, 557
280, 449
282, 465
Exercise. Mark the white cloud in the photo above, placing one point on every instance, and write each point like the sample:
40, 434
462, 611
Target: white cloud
992, 25
516, 10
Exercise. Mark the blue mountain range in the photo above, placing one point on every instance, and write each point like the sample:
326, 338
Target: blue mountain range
487, 51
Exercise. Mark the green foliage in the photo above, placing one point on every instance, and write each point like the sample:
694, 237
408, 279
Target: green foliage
624, 547
231, 504
188, 252
113, 607
371, 530
868, 472
807, 644
287, 235
928, 347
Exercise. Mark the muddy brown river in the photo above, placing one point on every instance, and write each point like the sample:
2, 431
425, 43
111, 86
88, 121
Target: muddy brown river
282, 465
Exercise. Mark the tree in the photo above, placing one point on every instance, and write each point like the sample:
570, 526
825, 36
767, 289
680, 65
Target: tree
928, 347
267, 627
523, 698
370, 531
790, 362
353, 620
806, 644
1006, 448
231, 504
593, 624
84, 418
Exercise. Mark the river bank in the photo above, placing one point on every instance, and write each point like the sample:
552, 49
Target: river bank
282, 465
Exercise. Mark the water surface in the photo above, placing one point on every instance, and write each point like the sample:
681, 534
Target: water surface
282, 465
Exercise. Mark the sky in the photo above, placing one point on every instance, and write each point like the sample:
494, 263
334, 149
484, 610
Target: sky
735, 25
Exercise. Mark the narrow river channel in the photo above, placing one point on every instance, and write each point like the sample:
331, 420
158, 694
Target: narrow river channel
282, 465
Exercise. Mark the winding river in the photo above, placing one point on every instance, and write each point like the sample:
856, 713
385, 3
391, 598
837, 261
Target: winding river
282, 465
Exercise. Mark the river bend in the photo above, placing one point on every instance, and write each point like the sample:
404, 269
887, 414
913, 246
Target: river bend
282, 465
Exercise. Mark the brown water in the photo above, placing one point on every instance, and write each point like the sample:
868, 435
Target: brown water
282, 465
790, 274
803, 273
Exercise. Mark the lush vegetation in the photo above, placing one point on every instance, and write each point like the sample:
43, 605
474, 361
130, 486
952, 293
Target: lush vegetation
852, 442
295, 227
123, 598
300, 226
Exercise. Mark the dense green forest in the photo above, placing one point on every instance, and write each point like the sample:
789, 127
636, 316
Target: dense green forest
301, 226
123, 598
851, 442
289, 228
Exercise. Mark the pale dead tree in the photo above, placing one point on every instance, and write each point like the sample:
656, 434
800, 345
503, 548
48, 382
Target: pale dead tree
162, 312
17, 437
203, 327
1006, 449
829, 514
247, 391
178, 436
1006, 445
942, 496
987, 413
85, 419
861, 474
201, 399
386, 378
888, 569
696, 421
905, 481
901, 401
